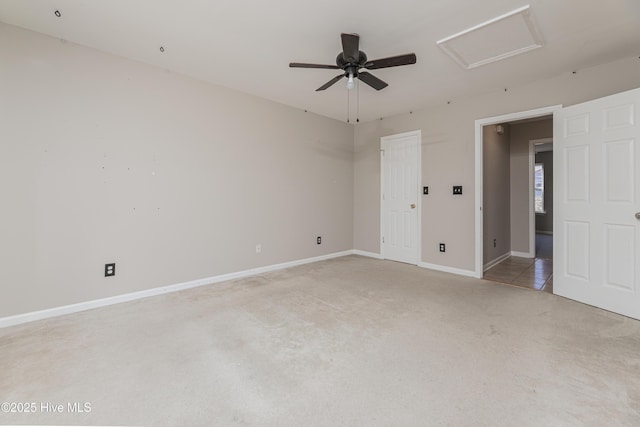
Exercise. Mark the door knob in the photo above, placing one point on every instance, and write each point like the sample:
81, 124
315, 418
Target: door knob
413, 206
637, 215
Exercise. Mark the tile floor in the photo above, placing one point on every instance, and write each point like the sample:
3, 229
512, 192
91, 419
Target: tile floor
532, 273
528, 273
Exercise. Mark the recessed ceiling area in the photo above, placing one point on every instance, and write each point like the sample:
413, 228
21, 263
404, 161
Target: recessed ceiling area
248, 45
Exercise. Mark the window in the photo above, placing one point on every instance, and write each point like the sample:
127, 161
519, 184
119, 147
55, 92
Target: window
538, 187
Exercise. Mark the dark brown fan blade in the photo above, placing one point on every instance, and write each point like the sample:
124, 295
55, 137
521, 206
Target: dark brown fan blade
303, 65
350, 47
393, 61
330, 82
372, 80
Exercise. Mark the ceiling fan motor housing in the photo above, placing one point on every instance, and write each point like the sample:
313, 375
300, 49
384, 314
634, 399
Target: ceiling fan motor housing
351, 66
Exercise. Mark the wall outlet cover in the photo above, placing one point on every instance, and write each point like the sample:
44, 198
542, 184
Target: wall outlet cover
442, 247
457, 189
425, 190
110, 269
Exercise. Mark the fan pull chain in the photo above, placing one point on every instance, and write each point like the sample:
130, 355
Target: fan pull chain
358, 101
348, 107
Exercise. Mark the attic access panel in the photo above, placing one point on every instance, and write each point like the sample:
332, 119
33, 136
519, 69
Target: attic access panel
499, 38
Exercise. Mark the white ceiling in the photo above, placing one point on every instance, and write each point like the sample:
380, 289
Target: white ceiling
248, 44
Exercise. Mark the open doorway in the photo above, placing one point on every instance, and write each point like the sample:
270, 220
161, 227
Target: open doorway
542, 174
517, 202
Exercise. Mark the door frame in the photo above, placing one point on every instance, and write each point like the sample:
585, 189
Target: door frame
479, 124
390, 138
532, 215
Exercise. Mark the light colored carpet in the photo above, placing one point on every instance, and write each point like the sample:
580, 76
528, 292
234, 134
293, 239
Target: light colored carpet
350, 341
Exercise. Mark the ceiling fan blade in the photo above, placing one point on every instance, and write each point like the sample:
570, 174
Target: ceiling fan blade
303, 65
350, 47
393, 61
372, 80
330, 82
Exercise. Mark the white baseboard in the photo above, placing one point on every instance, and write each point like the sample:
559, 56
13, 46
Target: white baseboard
446, 269
103, 302
436, 267
496, 261
367, 254
522, 254
88, 305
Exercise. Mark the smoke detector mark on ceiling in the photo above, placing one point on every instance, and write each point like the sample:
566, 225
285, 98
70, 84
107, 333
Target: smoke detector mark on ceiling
499, 38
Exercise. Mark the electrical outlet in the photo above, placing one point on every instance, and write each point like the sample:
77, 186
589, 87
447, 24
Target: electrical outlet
457, 189
258, 248
442, 247
494, 243
425, 190
319, 240
110, 269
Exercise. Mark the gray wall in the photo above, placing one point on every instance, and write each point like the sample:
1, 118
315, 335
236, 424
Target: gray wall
521, 134
496, 205
448, 156
544, 222
104, 159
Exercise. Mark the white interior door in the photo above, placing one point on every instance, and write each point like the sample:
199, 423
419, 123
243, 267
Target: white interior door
400, 197
596, 197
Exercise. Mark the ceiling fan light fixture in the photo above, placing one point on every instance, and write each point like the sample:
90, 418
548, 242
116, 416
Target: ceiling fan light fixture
350, 83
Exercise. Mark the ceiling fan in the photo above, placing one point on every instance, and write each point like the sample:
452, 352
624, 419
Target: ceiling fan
352, 59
